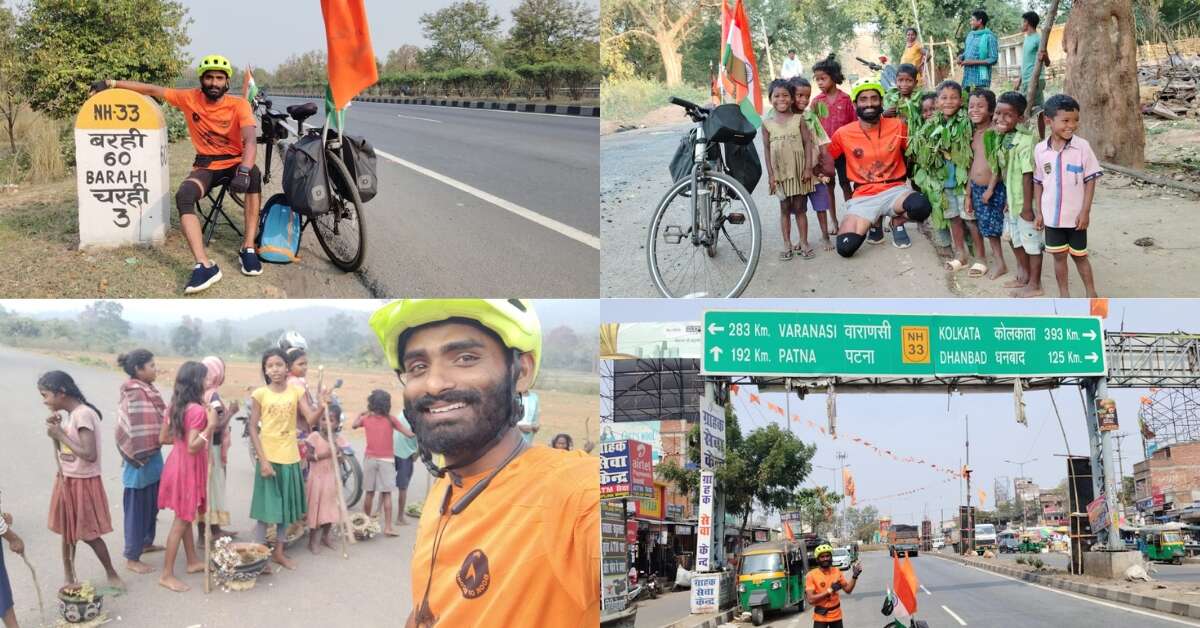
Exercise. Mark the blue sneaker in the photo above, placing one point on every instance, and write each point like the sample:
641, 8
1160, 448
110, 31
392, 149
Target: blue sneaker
875, 235
251, 265
202, 278
900, 237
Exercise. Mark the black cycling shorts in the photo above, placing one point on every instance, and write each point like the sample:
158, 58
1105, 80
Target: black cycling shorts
827, 624
207, 178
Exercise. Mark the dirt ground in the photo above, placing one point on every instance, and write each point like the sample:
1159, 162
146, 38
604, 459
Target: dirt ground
562, 411
39, 234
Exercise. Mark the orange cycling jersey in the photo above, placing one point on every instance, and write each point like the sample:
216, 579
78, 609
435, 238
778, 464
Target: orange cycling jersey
874, 157
818, 582
215, 127
525, 552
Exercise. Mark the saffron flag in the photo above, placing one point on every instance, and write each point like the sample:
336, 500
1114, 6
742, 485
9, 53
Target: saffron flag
351, 58
848, 484
1099, 307
249, 87
739, 70
787, 531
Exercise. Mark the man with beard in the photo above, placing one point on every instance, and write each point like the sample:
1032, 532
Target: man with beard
874, 149
509, 532
821, 587
223, 132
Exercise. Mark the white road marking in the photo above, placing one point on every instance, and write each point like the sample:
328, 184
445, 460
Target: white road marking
577, 235
925, 590
1087, 598
400, 115
956, 617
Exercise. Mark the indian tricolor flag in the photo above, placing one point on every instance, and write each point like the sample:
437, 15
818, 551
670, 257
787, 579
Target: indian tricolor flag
249, 87
904, 582
739, 71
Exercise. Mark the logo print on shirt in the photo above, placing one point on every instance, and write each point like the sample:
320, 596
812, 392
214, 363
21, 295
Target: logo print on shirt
473, 577
858, 152
1046, 167
195, 117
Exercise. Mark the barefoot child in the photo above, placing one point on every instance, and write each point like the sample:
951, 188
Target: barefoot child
140, 415
297, 364
321, 488
379, 469
279, 485
940, 150
218, 512
985, 204
824, 170
188, 428
78, 505
839, 111
1064, 181
791, 156
404, 452
17, 546
1016, 160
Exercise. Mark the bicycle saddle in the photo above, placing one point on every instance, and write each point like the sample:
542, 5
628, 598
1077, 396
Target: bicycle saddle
302, 112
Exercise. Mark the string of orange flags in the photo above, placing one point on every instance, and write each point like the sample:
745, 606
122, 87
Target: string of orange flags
951, 472
906, 493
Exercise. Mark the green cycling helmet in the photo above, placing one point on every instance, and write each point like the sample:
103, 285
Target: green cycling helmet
214, 62
863, 86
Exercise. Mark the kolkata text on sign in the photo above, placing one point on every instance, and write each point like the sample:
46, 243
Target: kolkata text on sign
712, 435
850, 344
122, 182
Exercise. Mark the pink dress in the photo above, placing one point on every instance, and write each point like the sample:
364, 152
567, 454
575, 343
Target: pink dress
182, 485
322, 488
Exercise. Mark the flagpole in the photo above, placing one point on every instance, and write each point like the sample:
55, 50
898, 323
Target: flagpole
767, 42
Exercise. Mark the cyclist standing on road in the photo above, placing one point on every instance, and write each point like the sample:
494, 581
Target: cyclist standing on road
224, 133
821, 588
508, 533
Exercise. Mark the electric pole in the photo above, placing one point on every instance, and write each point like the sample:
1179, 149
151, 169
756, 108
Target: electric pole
970, 519
1121, 471
841, 456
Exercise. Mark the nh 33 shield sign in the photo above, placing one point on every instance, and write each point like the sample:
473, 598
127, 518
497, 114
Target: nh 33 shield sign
843, 344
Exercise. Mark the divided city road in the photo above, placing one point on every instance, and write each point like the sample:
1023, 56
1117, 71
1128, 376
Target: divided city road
372, 587
534, 233
952, 592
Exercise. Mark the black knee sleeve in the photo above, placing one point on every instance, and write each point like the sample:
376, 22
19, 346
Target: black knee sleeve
186, 197
848, 243
917, 207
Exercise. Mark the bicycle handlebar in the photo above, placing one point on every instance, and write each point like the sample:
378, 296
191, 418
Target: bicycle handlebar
686, 104
870, 64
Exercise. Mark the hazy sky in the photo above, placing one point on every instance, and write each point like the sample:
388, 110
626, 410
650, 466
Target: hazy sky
263, 33
930, 426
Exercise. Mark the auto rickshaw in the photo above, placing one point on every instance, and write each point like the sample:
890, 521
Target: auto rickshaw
1030, 544
1159, 543
771, 578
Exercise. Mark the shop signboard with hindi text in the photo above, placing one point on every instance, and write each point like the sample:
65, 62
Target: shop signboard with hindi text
626, 470
706, 592
704, 522
121, 176
712, 435
815, 344
614, 553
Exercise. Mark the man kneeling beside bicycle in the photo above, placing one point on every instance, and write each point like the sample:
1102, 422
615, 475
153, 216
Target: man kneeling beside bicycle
223, 132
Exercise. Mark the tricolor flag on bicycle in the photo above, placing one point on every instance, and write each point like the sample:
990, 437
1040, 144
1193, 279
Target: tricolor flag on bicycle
249, 87
351, 57
904, 583
739, 70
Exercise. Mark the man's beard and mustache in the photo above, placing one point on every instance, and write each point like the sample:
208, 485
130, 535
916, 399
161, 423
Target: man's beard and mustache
458, 438
215, 93
825, 563
870, 114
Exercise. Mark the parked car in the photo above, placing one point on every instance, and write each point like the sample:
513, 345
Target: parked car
841, 558
939, 542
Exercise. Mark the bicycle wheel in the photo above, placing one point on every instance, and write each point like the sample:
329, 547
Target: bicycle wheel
722, 260
340, 230
352, 479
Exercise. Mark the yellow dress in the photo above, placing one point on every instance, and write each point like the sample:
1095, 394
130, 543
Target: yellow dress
787, 157
912, 54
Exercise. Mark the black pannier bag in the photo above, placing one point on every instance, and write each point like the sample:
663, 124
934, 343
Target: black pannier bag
359, 157
304, 180
725, 123
742, 163
681, 163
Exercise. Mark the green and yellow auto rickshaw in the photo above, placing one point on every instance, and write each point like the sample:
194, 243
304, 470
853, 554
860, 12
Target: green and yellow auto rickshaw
1030, 544
771, 578
1163, 544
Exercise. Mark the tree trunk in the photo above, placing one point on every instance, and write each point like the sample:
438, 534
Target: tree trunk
1101, 73
672, 59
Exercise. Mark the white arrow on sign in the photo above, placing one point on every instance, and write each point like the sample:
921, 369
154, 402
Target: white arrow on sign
1092, 357
713, 329
716, 353
1089, 334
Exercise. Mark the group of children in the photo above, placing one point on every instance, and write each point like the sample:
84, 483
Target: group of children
984, 173
296, 480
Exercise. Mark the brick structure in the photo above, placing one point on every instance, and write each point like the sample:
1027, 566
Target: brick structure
1169, 481
1053, 508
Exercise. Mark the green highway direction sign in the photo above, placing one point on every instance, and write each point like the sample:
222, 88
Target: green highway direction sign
799, 344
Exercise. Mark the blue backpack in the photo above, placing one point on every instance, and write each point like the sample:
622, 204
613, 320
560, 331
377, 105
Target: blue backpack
279, 229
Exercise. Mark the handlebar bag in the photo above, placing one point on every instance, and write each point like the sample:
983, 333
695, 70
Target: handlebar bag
359, 157
304, 180
725, 123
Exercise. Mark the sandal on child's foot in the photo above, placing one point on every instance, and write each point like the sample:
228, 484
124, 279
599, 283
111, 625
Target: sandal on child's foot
785, 255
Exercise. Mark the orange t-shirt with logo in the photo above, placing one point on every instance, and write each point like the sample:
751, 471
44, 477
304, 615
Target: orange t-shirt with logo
525, 552
874, 158
818, 582
216, 128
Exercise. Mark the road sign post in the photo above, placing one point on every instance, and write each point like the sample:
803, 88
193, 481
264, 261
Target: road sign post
765, 343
